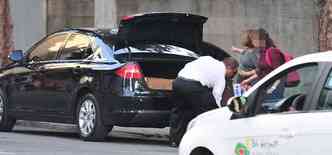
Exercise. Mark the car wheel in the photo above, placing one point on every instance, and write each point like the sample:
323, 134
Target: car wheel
201, 151
89, 119
6, 122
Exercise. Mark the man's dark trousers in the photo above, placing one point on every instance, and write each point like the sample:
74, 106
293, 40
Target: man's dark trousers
190, 99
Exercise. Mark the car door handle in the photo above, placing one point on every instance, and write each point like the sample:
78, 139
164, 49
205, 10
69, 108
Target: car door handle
77, 70
22, 79
41, 69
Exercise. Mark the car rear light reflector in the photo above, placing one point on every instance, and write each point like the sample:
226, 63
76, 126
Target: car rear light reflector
130, 70
125, 18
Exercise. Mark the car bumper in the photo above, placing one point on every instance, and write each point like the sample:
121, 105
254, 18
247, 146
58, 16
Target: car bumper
138, 111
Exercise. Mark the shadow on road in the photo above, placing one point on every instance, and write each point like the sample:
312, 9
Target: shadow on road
113, 138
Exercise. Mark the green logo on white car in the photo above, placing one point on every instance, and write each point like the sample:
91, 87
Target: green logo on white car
241, 149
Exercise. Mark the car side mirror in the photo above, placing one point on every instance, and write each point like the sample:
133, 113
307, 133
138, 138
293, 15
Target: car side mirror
236, 104
16, 56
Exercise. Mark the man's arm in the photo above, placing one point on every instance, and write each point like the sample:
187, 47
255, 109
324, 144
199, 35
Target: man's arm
249, 80
218, 91
243, 73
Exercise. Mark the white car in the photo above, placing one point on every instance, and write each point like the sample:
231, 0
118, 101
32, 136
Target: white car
297, 123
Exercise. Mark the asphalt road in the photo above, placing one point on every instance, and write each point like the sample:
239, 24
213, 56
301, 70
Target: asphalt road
27, 140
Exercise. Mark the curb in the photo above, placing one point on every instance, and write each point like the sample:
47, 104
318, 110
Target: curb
130, 132
46, 125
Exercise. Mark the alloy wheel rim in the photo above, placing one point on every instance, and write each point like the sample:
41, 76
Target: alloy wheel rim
1, 108
87, 117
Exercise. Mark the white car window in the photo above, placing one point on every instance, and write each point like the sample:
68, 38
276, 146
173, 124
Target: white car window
277, 97
325, 98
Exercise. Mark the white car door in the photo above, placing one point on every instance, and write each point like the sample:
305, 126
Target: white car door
312, 133
281, 132
263, 134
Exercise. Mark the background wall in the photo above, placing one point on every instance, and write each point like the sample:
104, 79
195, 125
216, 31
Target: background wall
29, 24
33, 19
69, 13
293, 24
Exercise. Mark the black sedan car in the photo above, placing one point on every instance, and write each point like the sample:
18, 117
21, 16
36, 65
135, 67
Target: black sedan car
100, 78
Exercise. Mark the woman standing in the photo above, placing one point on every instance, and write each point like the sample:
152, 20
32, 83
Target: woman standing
270, 57
248, 56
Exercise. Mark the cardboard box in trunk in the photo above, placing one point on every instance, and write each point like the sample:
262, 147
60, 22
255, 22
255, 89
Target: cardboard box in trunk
159, 83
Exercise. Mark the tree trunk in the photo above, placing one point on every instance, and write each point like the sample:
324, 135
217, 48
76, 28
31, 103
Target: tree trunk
6, 29
325, 25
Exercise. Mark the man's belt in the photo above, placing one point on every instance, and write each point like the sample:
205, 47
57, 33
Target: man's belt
186, 79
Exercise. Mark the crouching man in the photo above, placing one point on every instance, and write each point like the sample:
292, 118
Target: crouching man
198, 88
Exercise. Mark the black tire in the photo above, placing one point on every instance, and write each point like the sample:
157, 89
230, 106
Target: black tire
98, 131
6, 122
201, 151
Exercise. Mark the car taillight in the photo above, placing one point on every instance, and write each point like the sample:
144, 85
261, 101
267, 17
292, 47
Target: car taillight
130, 17
126, 18
130, 71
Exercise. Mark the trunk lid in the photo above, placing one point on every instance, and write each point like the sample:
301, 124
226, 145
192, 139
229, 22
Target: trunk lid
180, 29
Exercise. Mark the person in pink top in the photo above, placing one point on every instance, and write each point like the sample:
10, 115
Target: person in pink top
262, 40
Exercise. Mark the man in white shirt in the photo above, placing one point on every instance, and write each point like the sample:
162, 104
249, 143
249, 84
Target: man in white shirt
198, 88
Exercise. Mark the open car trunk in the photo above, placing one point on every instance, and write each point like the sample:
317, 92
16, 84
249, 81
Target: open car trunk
159, 63
158, 75
183, 30
162, 43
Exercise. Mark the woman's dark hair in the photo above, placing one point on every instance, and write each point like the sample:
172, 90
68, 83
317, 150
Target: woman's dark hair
269, 41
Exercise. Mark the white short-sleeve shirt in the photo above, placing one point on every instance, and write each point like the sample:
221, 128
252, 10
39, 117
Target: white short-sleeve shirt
209, 72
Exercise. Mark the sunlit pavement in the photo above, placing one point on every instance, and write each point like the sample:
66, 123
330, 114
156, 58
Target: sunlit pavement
62, 139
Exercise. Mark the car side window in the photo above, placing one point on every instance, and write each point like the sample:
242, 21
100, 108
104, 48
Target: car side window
276, 96
48, 49
101, 50
325, 98
77, 47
